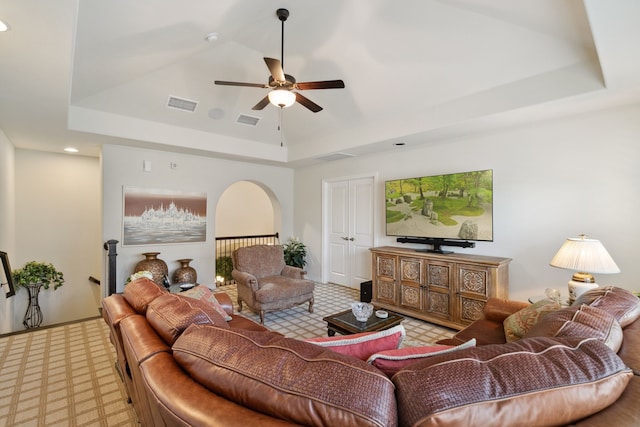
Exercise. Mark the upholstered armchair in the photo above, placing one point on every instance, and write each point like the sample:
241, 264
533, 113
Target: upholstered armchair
265, 283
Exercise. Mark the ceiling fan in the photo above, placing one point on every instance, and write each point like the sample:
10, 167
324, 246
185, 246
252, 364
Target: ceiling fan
283, 85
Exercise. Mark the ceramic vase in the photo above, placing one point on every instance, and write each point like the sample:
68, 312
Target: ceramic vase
155, 265
186, 273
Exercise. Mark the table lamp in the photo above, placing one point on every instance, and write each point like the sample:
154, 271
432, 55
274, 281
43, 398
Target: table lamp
584, 256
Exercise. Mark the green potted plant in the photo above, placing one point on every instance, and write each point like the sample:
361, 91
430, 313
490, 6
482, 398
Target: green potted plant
33, 276
294, 252
34, 273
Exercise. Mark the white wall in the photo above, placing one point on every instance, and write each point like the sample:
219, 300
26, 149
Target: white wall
552, 180
122, 166
7, 219
57, 220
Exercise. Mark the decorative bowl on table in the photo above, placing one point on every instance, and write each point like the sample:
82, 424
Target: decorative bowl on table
361, 310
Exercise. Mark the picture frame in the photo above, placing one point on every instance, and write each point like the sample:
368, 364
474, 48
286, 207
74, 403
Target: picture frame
10, 289
160, 216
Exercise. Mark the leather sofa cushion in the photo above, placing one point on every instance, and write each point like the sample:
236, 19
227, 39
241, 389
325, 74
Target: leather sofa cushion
286, 378
621, 303
533, 381
364, 344
171, 314
140, 292
580, 322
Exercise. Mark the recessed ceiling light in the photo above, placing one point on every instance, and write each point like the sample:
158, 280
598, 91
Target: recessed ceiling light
3, 26
211, 37
71, 150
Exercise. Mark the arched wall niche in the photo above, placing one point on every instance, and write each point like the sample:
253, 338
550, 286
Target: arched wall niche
247, 208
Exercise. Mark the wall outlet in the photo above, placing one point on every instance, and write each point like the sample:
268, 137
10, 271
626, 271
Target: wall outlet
173, 165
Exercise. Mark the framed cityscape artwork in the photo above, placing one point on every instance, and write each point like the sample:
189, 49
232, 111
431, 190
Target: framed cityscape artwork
154, 216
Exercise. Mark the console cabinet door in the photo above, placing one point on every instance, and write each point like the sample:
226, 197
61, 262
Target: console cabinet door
384, 285
411, 279
440, 290
473, 291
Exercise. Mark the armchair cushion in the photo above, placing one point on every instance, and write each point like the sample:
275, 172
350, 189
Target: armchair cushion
260, 260
277, 288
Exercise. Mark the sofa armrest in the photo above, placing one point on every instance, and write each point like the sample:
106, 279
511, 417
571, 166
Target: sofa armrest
497, 309
245, 279
225, 301
293, 272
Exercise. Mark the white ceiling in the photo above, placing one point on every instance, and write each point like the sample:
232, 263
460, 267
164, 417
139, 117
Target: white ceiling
89, 72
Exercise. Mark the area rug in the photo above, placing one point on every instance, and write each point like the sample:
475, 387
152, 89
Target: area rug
297, 322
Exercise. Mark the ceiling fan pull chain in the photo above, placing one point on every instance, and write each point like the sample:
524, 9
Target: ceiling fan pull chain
280, 126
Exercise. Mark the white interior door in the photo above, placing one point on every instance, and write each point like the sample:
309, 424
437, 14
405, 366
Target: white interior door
349, 225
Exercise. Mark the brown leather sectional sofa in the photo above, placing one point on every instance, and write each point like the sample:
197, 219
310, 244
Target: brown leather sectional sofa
185, 365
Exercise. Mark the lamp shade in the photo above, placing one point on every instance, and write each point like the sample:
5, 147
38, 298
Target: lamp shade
584, 255
282, 98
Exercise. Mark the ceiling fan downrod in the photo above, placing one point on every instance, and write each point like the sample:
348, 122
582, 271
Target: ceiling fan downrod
282, 14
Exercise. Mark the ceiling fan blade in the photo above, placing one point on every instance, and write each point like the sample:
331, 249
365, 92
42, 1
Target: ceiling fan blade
221, 82
306, 102
263, 103
275, 68
327, 84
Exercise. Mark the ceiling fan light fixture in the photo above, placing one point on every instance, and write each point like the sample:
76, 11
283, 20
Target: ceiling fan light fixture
282, 98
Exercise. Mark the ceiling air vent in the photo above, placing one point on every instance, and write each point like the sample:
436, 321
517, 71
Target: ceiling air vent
243, 119
182, 104
335, 156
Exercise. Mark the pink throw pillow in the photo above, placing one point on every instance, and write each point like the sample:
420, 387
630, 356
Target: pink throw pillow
364, 344
391, 361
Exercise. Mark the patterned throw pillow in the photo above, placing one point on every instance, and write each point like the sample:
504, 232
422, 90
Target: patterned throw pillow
364, 344
391, 361
519, 323
203, 293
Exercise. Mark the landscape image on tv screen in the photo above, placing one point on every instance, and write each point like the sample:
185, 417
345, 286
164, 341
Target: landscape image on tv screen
451, 206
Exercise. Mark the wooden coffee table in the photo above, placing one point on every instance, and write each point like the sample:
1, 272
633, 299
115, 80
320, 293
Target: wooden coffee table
345, 323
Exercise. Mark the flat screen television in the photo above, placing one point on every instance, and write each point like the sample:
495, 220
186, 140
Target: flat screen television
441, 210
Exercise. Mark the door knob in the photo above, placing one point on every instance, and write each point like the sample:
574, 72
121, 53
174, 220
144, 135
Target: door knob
352, 239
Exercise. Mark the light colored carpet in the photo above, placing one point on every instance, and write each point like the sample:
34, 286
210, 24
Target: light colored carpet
62, 376
297, 322
65, 375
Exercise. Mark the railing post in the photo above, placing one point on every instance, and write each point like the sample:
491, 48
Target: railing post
110, 246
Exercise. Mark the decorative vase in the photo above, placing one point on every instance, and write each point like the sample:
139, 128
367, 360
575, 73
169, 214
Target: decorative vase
156, 266
186, 273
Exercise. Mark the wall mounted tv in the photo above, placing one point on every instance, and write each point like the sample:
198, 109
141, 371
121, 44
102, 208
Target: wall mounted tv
441, 210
